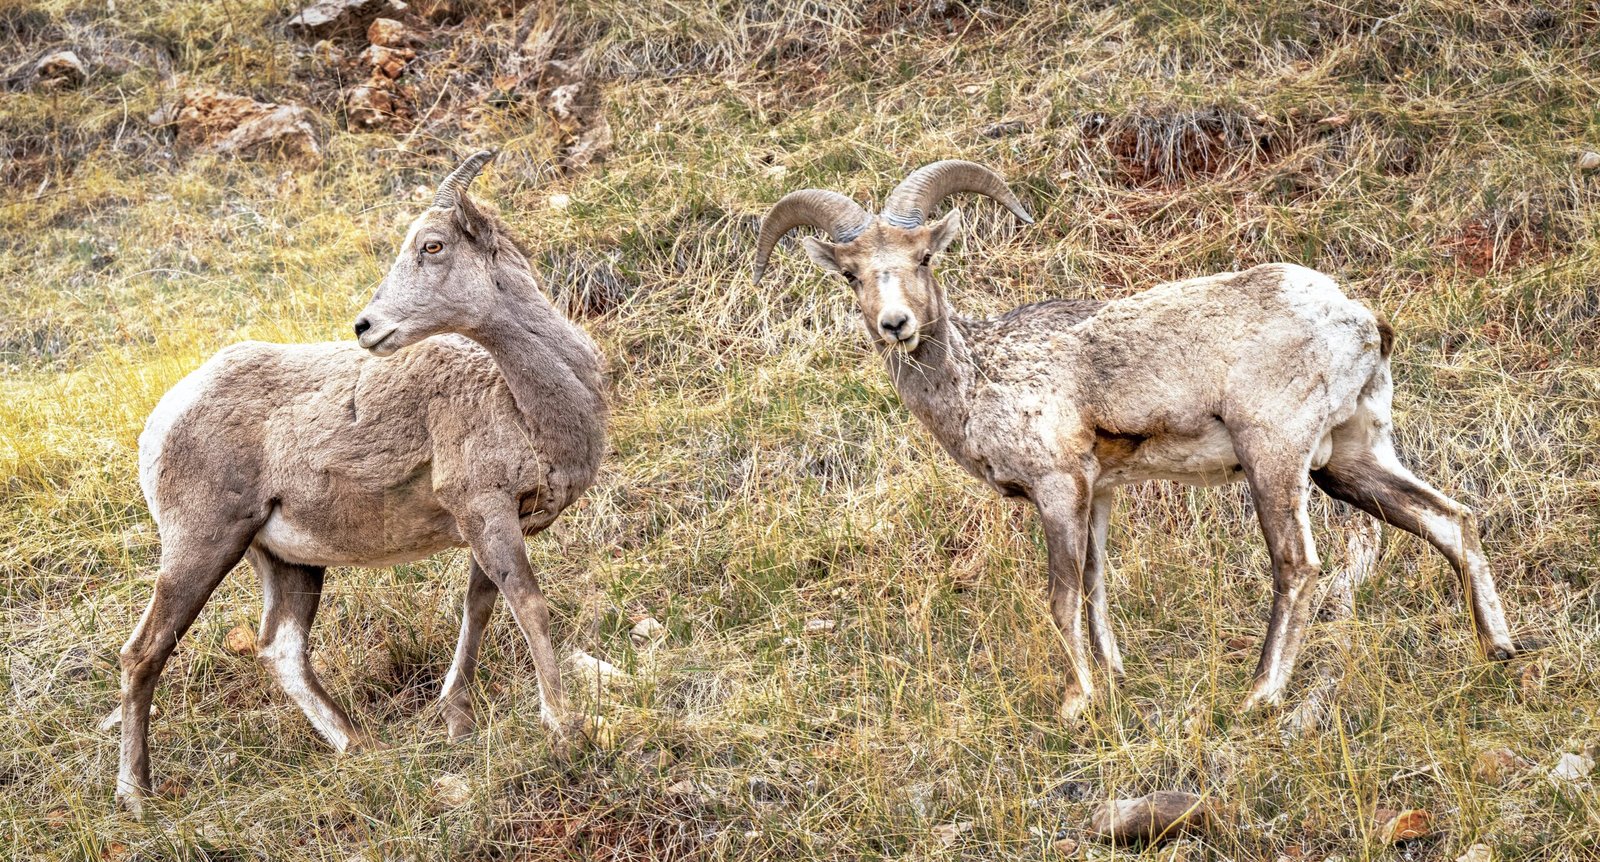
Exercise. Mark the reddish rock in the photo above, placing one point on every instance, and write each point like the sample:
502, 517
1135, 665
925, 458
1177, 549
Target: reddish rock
1160, 816
390, 33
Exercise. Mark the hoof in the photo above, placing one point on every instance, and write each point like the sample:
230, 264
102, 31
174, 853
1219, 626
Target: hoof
366, 745
131, 802
1505, 651
1259, 701
1073, 706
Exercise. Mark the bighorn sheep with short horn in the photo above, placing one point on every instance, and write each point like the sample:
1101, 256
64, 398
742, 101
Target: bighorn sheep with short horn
304, 456
1271, 376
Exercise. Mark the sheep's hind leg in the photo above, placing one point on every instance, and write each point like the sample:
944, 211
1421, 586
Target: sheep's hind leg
1279, 491
290, 595
191, 569
456, 694
1373, 480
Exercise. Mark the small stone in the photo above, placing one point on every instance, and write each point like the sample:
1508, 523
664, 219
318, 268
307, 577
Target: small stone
240, 640
1157, 817
1065, 846
390, 33
60, 69
1496, 766
597, 669
646, 631
1588, 160
1476, 853
948, 833
368, 107
971, 90
1334, 121
388, 62
1395, 827
820, 626
561, 202
684, 788
1003, 128
451, 791
1572, 768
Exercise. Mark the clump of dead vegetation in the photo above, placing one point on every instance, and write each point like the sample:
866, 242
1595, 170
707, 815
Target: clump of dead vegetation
852, 660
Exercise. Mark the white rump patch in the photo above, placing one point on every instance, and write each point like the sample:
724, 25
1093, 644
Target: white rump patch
153, 440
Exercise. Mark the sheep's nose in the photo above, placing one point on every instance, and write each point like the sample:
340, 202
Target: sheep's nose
362, 325
891, 322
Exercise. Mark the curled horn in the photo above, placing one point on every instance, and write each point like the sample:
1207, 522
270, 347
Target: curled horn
451, 187
841, 217
911, 201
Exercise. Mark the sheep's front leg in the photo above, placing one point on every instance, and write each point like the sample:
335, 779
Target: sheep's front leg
1064, 507
495, 535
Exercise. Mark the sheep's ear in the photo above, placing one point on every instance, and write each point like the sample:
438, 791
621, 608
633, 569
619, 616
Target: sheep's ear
470, 220
944, 231
823, 254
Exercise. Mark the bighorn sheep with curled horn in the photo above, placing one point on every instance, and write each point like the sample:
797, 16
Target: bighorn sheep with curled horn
1270, 375
304, 456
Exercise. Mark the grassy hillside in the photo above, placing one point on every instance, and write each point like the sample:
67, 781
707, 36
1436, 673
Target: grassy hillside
764, 475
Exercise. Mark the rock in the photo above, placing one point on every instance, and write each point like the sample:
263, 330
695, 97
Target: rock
1496, 766
820, 626
369, 106
450, 791
60, 69
389, 33
1571, 768
388, 62
1334, 121
597, 670
1394, 827
948, 833
1159, 816
228, 124
1588, 161
240, 640
1065, 846
646, 631
332, 18
1476, 853
1003, 128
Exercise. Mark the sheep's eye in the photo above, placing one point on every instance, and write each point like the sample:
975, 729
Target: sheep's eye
848, 276
433, 246
927, 258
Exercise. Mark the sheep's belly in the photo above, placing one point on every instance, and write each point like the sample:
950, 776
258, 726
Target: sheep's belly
390, 541
1205, 460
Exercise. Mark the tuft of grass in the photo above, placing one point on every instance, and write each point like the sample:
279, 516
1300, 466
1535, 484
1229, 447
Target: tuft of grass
763, 472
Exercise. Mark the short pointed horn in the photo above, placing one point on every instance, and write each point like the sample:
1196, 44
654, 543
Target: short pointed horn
451, 187
911, 201
841, 217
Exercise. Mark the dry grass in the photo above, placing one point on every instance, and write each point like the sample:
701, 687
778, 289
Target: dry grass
764, 473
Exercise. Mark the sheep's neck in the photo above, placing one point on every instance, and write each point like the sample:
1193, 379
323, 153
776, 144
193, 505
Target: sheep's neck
936, 380
554, 375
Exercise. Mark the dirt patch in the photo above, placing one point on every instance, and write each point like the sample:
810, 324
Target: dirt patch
1174, 145
1482, 249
